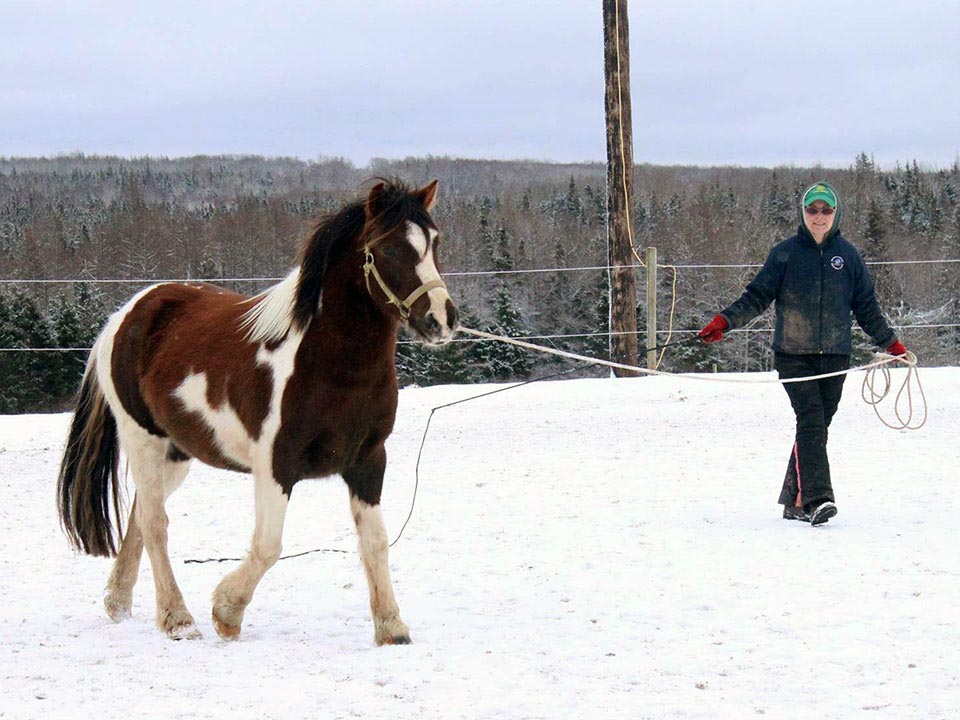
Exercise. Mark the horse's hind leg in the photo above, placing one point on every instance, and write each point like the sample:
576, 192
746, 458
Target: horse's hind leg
155, 478
235, 591
118, 598
365, 482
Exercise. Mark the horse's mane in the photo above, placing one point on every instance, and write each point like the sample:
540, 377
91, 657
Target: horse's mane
294, 302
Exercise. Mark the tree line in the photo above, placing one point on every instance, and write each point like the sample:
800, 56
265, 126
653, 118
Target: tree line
84, 219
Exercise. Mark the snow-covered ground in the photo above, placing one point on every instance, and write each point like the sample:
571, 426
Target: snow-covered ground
590, 548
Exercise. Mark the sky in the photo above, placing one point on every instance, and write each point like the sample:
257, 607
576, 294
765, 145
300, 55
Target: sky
743, 82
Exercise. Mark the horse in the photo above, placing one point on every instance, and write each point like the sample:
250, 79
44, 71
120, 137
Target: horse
297, 382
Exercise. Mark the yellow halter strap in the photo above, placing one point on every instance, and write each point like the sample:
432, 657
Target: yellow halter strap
403, 306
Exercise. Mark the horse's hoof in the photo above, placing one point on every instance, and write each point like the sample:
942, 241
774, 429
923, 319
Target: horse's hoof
184, 632
399, 640
118, 610
226, 632
392, 631
178, 624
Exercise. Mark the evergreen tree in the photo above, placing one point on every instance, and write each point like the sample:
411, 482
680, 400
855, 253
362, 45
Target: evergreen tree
421, 366
503, 361
75, 323
66, 366
476, 352
503, 259
486, 246
776, 208
674, 206
25, 374
572, 205
875, 249
558, 293
413, 363
599, 344
451, 365
864, 174
8, 359
596, 206
525, 200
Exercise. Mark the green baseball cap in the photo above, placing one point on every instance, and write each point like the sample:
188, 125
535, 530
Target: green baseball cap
820, 191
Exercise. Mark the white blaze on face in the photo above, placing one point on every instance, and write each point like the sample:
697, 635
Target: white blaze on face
427, 271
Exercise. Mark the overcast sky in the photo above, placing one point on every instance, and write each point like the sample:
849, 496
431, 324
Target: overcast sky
746, 82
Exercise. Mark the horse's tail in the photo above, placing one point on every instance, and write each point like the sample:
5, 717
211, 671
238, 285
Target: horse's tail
88, 485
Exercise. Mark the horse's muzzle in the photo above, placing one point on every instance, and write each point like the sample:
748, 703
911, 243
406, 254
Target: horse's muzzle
437, 328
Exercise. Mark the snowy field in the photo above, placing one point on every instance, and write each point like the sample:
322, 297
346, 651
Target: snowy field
579, 549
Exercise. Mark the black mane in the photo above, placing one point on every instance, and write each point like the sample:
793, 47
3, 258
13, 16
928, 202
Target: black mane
391, 204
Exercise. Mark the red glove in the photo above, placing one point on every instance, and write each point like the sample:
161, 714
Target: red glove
897, 348
713, 331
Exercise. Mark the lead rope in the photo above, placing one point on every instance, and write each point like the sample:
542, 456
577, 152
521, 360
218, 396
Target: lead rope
880, 362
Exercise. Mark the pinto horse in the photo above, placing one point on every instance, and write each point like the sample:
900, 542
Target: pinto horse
297, 382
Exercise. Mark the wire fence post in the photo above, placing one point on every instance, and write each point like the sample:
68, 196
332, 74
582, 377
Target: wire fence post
651, 308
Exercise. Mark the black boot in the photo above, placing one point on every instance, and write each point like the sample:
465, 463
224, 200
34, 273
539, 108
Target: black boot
792, 512
821, 512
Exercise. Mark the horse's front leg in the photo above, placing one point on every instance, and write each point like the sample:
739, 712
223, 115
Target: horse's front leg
235, 591
365, 481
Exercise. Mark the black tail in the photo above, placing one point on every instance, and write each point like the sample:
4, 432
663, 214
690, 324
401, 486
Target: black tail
88, 472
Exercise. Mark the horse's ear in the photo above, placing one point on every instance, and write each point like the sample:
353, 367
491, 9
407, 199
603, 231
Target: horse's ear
374, 200
428, 195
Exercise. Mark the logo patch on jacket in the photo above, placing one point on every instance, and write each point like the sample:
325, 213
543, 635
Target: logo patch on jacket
836, 262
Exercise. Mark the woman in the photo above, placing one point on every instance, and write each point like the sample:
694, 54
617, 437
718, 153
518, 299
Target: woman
816, 280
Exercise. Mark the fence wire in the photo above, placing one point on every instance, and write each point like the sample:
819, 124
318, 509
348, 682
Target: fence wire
467, 274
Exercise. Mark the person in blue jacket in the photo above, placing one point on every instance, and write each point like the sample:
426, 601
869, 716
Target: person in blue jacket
815, 279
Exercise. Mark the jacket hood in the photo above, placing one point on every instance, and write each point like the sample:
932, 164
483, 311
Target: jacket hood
835, 228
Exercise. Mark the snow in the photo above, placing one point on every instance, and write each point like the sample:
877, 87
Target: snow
584, 548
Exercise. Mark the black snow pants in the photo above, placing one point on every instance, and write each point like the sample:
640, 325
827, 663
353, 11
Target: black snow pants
807, 478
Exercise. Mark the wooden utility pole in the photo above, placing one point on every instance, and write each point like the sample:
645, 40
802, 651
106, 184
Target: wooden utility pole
623, 282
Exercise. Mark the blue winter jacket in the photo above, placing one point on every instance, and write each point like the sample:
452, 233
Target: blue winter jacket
816, 288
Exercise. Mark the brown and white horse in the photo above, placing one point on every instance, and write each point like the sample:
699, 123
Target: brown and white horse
298, 382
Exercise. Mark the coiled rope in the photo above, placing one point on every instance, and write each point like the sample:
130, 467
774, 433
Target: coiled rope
873, 397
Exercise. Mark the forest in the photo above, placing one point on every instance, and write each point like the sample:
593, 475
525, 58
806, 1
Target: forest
524, 253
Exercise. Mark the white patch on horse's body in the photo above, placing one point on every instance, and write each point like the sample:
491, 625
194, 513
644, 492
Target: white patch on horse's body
281, 362
427, 271
226, 428
272, 315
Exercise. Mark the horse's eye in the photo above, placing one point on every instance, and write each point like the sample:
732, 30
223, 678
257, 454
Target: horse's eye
389, 251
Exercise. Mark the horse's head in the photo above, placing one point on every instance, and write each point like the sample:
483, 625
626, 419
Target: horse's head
402, 270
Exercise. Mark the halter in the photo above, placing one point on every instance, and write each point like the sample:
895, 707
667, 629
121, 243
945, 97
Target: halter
403, 306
